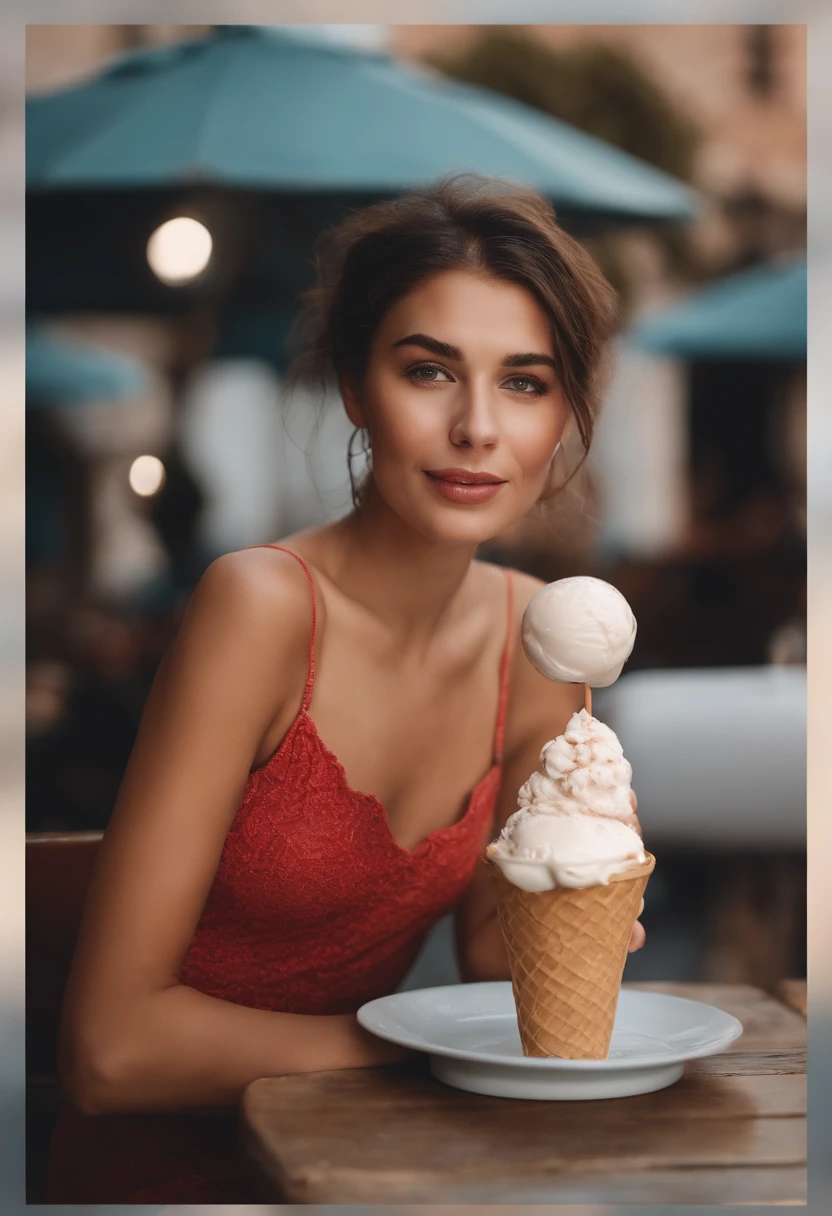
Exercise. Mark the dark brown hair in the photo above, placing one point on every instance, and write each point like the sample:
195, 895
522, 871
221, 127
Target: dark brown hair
463, 222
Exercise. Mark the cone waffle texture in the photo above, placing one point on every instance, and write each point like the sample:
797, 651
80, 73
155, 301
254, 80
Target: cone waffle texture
567, 949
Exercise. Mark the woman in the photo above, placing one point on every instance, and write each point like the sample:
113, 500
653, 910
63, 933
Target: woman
343, 721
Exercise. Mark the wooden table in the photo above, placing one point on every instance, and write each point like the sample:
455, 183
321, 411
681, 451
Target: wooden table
733, 1130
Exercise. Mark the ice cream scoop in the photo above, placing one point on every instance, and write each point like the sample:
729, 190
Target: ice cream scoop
579, 630
570, 827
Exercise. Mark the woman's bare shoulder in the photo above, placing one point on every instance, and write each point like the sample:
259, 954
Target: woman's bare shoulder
260, 595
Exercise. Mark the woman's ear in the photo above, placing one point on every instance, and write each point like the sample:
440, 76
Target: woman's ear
352, 402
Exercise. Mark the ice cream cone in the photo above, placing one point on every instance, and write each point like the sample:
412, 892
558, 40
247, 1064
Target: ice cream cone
567, 949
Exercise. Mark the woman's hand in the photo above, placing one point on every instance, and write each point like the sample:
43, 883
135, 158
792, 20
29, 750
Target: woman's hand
638, 936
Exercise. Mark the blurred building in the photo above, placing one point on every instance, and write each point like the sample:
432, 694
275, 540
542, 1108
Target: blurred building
744, 86
58, 56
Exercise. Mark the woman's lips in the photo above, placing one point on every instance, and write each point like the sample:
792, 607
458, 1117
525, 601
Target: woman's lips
456, 492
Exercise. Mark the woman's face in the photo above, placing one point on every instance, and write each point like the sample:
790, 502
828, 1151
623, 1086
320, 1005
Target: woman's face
460, 380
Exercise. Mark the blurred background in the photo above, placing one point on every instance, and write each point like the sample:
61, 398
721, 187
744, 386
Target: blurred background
168, 237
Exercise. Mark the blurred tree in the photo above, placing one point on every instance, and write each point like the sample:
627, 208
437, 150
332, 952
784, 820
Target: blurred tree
604, 92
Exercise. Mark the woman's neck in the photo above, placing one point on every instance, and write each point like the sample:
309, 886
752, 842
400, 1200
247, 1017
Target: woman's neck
410, 583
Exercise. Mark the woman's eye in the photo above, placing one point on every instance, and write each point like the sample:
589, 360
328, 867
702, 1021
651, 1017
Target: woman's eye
432, 373
530, 385
426, 373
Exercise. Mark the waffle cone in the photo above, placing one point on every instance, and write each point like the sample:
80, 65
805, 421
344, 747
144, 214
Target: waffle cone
566, 950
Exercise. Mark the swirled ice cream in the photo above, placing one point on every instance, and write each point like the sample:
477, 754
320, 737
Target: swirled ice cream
569, 829
578, 630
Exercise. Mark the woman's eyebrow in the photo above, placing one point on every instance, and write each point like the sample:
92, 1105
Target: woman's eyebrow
447, 351
528, 360
432, 344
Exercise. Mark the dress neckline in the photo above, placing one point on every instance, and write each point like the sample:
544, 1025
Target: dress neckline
371, 799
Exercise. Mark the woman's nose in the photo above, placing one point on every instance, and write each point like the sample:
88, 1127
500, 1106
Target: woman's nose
475, 423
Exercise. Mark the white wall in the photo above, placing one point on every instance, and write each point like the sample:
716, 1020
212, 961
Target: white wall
640, 453
268, 465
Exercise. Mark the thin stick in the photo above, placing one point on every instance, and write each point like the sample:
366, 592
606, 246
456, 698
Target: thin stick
587, 698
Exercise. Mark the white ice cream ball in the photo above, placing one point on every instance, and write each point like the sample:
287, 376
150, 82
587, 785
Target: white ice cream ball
539, 788
557, 757
533, 878
579, 630
532, 846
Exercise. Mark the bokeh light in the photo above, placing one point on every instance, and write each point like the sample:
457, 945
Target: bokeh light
147, 476
179, 250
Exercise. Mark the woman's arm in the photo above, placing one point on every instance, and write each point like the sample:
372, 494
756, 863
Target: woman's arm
132, 1036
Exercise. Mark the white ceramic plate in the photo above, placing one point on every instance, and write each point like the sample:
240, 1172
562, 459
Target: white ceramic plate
470, 1033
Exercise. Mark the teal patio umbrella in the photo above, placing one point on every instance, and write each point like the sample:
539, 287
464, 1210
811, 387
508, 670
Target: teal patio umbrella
253, 108
754, 314
61, 371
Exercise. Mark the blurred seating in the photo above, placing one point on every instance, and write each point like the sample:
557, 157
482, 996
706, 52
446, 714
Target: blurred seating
718, 755
719, 765
58, 870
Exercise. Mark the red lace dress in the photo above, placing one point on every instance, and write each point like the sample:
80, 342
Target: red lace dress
314, 909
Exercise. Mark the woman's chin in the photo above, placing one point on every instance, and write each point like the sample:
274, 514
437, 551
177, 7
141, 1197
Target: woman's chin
464, 526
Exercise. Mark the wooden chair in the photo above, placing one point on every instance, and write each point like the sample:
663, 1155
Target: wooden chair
58, 869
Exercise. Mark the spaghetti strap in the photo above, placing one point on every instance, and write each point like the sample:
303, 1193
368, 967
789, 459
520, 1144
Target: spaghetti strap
505, 672
310, 674
505, 661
